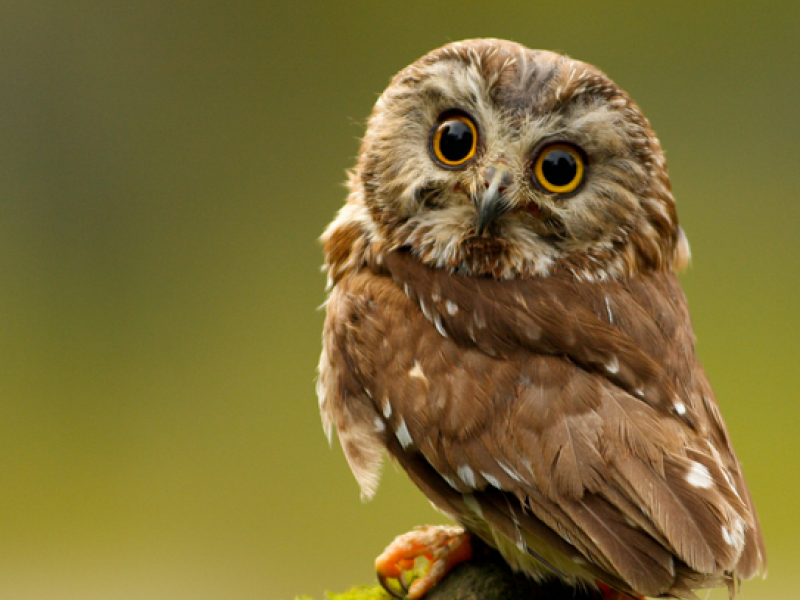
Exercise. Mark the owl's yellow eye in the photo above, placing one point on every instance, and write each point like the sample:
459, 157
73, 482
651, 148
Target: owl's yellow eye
559, 168
454, 141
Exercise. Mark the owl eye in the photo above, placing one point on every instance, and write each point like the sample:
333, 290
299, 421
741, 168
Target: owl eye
559, 168
454, 140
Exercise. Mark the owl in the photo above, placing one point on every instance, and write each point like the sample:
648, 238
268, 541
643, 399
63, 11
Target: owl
506, 323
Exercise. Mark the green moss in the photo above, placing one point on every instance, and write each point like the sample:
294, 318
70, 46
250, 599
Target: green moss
360, 592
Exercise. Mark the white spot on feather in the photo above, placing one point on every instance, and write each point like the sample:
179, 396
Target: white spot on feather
437, 321
699, 477
729, 481
387, 408
425, 310
417, 372
734, 537
451, 307
534, 332
510, 472
608, 310
492, 480
466, 475
379, 424
403, 436
613, 365
726, 535
680, 408
450, 481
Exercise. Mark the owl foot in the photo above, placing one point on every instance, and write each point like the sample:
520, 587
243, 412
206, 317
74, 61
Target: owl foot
443, 547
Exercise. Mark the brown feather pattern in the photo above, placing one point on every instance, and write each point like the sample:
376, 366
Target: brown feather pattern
546, 394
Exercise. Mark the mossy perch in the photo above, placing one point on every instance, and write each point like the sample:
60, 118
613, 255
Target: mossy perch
485, 577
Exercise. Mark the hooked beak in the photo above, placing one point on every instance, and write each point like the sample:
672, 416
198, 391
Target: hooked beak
493, 202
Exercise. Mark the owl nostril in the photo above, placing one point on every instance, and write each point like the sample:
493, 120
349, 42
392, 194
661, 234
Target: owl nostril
491, 174
500, 188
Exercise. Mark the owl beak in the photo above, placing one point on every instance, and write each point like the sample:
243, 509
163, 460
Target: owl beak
493, 203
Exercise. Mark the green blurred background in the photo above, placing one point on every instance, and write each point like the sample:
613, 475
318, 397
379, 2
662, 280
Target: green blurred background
165, 170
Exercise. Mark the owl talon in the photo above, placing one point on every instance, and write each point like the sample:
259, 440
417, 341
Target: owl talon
441, 547
384, 581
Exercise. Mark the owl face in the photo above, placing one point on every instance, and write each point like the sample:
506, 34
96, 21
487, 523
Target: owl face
507, 161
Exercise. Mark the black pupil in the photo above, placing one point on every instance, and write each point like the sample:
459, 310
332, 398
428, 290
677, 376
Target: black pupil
559, 168
456, 140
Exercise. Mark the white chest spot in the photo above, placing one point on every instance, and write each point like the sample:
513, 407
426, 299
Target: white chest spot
699, 477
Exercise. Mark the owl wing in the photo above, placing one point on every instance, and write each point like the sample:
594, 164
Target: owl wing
571, 417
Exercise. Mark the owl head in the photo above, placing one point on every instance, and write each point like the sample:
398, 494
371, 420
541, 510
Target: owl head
487, 158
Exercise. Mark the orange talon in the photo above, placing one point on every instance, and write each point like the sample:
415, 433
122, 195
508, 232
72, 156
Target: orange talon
443, 547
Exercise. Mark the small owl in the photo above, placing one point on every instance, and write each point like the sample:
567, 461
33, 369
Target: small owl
505, 321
